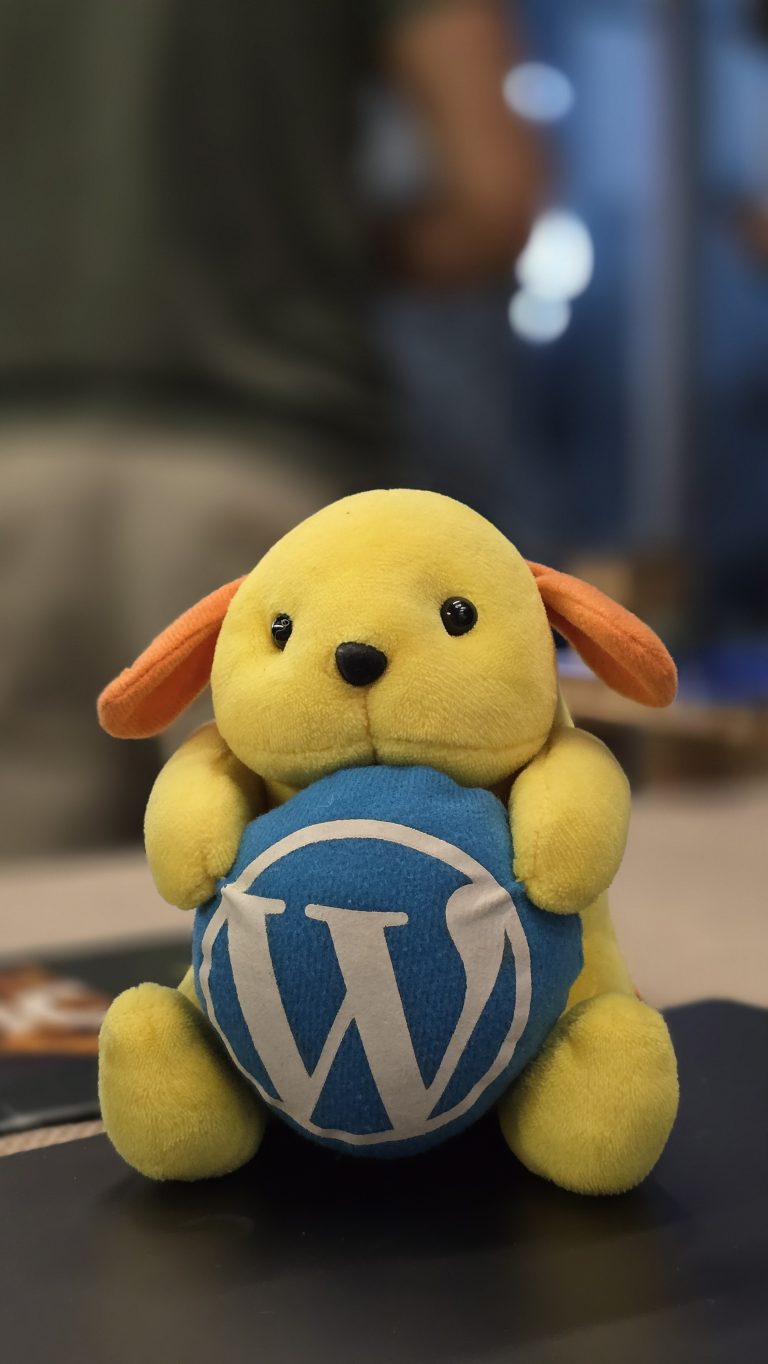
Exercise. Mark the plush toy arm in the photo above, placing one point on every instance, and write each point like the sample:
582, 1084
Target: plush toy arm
569, 812
200, 803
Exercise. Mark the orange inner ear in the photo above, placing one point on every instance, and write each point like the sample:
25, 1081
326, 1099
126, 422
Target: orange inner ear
623, 651
171, 672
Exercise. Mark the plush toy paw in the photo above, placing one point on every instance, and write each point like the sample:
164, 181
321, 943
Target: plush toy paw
569, 812
185, 872
199, 806
593, 1111
173, 1104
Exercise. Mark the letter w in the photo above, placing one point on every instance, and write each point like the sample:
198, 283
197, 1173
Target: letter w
372, 1000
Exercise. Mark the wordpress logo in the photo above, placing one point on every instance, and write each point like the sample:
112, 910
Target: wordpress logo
371, 979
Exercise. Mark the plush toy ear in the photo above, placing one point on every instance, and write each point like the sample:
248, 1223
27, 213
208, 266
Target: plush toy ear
167, 677
618, 647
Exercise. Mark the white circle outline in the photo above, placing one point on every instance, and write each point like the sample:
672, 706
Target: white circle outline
403, 836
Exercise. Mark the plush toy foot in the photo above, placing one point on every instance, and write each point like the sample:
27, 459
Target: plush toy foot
593, 1111
172, 1103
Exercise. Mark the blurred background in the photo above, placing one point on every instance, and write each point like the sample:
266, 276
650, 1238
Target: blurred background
253, 257
251, 260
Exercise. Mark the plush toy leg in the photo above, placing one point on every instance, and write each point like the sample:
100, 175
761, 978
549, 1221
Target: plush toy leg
173, 1104
594, 1109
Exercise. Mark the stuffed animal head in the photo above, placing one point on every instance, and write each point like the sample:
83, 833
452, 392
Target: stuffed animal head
395, 627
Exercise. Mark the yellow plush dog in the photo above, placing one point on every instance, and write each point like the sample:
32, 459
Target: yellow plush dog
418, 635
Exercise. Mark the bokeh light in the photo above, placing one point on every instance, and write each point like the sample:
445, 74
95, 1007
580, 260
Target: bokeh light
558, 259
538, 92
536, 319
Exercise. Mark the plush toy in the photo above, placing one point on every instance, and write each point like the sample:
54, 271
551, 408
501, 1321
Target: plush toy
398, 848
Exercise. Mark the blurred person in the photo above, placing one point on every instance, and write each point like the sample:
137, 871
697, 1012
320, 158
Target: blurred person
186, 263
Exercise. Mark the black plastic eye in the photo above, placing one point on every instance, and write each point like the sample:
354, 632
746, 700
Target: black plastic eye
281, 630
458, 615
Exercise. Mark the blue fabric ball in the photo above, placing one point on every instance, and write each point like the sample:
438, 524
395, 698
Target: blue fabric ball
371, 964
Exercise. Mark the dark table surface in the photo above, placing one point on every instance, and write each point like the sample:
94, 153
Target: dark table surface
457, 1255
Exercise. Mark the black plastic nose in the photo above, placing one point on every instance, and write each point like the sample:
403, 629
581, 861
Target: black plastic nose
360, 664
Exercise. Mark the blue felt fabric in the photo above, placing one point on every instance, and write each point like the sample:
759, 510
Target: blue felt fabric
425, 986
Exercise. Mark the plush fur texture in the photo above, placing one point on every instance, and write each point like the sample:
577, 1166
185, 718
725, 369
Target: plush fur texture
593, 1111
372, 570
595, 1108
569, 811
463, 942
213, 796
173, 1105
175, 668
617, 646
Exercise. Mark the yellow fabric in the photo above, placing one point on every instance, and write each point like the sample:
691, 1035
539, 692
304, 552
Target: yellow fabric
187, 987
172, 1104
593, 1111
375, 569
569, 814
605, 970
200, 803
